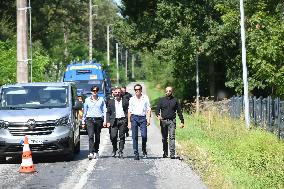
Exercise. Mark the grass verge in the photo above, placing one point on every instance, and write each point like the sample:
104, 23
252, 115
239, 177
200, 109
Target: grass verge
225, 154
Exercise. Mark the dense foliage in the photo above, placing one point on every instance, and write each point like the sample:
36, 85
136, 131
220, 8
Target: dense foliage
60, 34
170, 37
174, 35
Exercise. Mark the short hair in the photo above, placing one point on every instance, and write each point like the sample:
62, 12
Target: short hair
138, 85
170, 87
95, 88
124, 87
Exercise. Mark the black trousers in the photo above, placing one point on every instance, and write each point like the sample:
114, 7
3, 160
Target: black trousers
94, 127
118, 129
168, 129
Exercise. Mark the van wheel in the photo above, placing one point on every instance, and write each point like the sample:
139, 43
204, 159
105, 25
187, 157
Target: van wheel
2, 160
70, 155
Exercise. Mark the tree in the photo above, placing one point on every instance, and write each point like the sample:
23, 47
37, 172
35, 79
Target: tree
175, 31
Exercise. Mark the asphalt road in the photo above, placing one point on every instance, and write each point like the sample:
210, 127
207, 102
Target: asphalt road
105, 172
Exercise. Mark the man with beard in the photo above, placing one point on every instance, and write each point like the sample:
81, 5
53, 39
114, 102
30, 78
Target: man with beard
166, 113
127, 96
116, 118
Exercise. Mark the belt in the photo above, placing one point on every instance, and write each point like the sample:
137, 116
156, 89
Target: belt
139, 115
168, 119
95, 118
120, 118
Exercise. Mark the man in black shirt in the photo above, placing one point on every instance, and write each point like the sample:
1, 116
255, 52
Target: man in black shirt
125, 95
166, 113
110, 96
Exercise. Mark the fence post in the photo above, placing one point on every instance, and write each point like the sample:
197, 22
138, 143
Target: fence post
254, 110
241, 103
269, 113
261, 112
279, 116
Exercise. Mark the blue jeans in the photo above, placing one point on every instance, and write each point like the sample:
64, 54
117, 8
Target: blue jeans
139, 121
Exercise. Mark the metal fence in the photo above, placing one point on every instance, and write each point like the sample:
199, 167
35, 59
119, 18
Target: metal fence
267, 113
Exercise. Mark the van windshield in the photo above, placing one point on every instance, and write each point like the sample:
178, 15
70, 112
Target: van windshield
34, 97
85, 86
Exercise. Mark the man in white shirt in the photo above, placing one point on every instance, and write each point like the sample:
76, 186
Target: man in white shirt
139, 113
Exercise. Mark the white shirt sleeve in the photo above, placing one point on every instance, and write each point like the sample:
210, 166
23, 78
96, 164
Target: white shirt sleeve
130, 107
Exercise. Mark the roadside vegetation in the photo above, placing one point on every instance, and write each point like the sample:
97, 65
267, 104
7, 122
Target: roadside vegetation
60, 34
224, 153
172, 36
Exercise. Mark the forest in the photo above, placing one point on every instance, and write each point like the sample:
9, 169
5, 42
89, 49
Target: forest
168, 38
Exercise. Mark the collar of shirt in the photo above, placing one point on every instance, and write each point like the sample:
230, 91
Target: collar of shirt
92, 99
142, 97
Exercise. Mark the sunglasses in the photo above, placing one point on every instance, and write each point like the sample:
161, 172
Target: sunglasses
137, 89
94, 91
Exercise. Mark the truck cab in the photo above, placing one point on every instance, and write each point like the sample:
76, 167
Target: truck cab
87, 75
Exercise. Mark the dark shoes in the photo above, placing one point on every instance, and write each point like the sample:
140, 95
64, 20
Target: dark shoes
136, 157
120, 155
165, 155
172, 156
145, 155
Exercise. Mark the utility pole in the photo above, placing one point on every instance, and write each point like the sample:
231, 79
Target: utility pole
197, 84
132, 71
22, 50
91, 29
126, 56
108, 55
245, 79
117, 71
31, 44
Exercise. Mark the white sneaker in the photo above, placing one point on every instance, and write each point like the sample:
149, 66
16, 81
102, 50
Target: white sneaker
96, 156
91, 156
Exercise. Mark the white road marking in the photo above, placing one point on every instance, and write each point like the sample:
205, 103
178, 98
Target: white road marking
85, 167
84, 177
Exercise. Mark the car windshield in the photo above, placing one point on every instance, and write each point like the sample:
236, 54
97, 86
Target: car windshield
34, 97
85, 86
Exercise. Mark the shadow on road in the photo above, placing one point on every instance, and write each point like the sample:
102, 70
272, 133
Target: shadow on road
48, 159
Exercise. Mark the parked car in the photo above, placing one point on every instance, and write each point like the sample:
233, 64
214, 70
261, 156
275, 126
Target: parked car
46, 112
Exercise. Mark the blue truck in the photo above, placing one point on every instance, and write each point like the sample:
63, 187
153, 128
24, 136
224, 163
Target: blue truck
87, 75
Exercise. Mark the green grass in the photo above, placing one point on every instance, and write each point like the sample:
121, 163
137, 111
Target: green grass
154, 92
227, 155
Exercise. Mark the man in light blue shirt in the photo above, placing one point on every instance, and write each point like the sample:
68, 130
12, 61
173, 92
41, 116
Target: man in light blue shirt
94, 118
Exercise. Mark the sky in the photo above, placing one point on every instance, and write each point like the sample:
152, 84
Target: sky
117, 1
